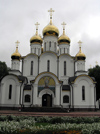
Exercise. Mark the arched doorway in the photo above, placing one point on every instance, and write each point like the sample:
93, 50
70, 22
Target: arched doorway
47, 100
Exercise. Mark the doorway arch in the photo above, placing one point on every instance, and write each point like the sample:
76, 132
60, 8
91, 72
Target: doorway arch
47, 100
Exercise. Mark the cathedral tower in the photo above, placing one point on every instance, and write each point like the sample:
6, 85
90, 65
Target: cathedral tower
36, 42
15, 64
50, 34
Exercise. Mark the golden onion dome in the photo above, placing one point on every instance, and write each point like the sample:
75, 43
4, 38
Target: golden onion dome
80, 55
64, 38
36, 38
50, 29
16, 55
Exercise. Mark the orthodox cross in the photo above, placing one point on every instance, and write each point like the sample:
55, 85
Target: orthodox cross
79, 43
63, 27
90, 66
51, 11
37, 27
96, 63
17, 42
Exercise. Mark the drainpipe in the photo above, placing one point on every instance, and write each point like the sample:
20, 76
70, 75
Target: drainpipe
72, 98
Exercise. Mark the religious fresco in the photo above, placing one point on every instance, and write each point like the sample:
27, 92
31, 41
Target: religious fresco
46, 82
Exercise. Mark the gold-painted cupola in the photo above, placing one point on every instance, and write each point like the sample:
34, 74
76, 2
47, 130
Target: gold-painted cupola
16, 55
80, 55
36, 38
64, 38
50, 29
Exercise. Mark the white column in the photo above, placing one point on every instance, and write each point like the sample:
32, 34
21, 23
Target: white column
57, 98
35, 94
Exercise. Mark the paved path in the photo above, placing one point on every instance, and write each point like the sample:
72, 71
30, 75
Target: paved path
72, 114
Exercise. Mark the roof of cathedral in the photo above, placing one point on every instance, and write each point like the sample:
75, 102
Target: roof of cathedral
50, 29
80, 54
16, 55
36, 38
72, 79
64, 38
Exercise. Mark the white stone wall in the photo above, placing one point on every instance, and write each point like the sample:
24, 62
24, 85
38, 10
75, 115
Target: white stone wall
4, 96
89, 92
64, 48
53, 40
15, 65
43, 62
69, 67
27, 66
35, 48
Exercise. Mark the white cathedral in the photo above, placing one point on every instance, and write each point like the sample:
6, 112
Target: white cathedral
49, 76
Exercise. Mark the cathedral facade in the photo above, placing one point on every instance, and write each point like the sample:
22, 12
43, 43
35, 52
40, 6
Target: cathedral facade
49, 76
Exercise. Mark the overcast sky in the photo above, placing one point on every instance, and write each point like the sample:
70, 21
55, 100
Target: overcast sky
17, 19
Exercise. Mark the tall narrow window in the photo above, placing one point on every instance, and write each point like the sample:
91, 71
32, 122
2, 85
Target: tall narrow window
49, 45
48, 65
10, 91
45, 46
64, 50
39, 51
55, 47
64, 67
60, 50
83, 92
35, 50
31, 73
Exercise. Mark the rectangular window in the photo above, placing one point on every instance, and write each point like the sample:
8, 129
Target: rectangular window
10, 91
48, 65
31, 73
83, 92
64, 67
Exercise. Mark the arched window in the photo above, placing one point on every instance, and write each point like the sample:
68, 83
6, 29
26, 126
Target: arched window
31, 72
39, 51
27, 98
83, 92
48, 65
64, 67
10, 91
66, 99
35, 50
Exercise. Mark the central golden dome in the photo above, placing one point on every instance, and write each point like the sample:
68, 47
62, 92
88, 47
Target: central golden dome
50, 30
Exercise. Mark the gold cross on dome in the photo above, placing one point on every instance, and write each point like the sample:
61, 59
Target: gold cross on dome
96, 63
37, 25
51, 12
79, 43
17, 42
63, 25
90, 66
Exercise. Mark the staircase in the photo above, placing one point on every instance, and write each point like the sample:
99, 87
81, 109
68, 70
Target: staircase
44, 109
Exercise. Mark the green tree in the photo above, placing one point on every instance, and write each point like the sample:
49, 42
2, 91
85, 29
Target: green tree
3, 69
95, 72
